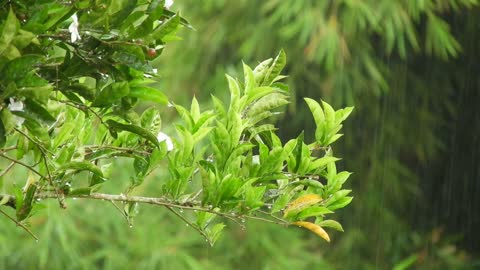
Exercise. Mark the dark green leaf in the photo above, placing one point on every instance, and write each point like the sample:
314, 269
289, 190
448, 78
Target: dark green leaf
81, 166
111, 93
134, 129
3, 138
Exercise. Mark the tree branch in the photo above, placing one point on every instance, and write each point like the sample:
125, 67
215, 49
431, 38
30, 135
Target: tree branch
19, 224
189, 205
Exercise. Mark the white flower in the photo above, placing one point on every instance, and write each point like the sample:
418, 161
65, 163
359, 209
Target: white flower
16, 106
168, 141
256, 159
73, 29
168, 4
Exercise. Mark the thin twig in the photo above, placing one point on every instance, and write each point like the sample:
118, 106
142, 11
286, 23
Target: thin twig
273, 216
20, 224
124, 149
43, 150
7, 169
190, 224
122, 212
8, 149
23, 164
37, 144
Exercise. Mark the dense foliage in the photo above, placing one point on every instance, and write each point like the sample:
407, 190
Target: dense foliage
409, 68
72, 76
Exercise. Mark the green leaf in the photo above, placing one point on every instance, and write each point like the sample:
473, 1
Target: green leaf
298, 152
340, 203
267, 103
36, 110
9, 31
141, 166
406, 263
21, 68
83, 90
81, 166
3, 137
249, 79
148, 93
24, 38
215, 232
234, 92
316, 110
322, 162
253, 196
314, 211
165, 28
134, 129
26, 208
331, 224
151, 120
261, 70
111, 93
281, 203
204, 219
329, 112
195, 110
35, 128
275, 68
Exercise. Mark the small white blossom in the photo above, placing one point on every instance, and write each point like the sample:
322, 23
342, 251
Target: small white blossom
256, 159
73, 29
168, 141
168, 4
16, 106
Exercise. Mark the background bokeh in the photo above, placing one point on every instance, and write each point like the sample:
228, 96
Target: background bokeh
410, 68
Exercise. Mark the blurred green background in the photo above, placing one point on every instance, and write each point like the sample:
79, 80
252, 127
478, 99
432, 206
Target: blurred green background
410, 68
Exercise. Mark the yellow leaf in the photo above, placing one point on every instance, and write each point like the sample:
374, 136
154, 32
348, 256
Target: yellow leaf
302, 203
314, 228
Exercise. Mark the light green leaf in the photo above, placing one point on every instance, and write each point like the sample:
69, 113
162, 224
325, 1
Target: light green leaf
249, 79
316, 110
313, 211
81, 166
111, 93
275, 68
148, 93
331, 224
9, 31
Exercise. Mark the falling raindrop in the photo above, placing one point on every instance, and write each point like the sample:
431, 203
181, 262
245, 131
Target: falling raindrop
243, 220
186, 224
181, 210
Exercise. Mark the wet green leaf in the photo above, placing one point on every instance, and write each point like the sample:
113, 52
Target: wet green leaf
134, 129
148, 93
